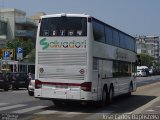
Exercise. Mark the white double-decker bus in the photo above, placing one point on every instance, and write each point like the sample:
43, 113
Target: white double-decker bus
80, 58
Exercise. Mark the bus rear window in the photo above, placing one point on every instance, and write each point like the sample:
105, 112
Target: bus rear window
63, 26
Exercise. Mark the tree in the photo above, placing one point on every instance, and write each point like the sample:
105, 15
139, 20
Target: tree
146, 60
31, 55
26, 45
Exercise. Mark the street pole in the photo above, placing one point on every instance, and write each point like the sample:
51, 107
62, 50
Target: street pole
19, 65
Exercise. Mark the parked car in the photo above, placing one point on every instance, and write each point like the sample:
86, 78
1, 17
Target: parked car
31, 87
151, 71
18, 80
4, 82
141, 72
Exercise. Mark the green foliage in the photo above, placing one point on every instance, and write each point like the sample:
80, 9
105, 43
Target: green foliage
157, 64
26, 45
32, 55
146, 60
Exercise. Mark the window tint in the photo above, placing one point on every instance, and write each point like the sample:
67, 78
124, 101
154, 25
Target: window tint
121, 69
95, 64
98, 31
115, 69
115, 38
132, 44
127, 42
122, 40
3, 28
108, 33
63, 26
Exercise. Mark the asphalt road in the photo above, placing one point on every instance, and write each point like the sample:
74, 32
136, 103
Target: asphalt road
141, 81
19, 105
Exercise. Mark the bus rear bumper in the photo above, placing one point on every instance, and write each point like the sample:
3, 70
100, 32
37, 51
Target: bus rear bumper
63, 95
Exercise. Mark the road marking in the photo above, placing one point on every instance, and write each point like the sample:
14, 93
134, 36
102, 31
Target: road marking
11, 107
71, 114
99, 115
29, 109
150, 110
46, 112
157, 106
1, 104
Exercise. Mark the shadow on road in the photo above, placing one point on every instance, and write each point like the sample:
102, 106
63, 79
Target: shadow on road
121, 104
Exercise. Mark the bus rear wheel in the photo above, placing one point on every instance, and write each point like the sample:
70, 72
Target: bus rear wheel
130, 90
104, 97
110, 95
102, 102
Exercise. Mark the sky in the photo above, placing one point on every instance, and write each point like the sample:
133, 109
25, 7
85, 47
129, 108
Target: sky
135, 17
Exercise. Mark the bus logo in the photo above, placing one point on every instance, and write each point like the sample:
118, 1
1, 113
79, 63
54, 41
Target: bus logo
44, 43
62, 44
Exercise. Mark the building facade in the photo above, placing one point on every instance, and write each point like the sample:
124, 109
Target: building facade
3, 31
37, 16
14, 24
18, 25
149, 45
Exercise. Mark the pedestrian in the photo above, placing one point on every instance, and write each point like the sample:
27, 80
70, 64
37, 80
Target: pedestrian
147, 72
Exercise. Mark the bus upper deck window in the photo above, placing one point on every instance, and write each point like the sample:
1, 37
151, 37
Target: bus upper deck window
54, 33
79, 32
70, 32
46, 33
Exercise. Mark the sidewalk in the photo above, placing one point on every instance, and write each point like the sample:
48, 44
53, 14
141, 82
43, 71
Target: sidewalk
154, 108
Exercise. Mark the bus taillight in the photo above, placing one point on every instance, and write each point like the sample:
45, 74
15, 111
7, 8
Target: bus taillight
86, 86
38, 84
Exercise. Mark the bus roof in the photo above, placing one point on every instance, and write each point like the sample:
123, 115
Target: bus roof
65, 14
83, 15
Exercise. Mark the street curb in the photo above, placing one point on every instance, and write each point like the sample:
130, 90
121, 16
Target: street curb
141, 109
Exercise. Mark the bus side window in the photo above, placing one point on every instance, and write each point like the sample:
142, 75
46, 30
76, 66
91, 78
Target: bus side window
95, 64
98, 31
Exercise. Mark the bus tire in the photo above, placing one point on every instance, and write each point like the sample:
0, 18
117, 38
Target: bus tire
102, 102
31, 93
104, 96
110, 95
130, 90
